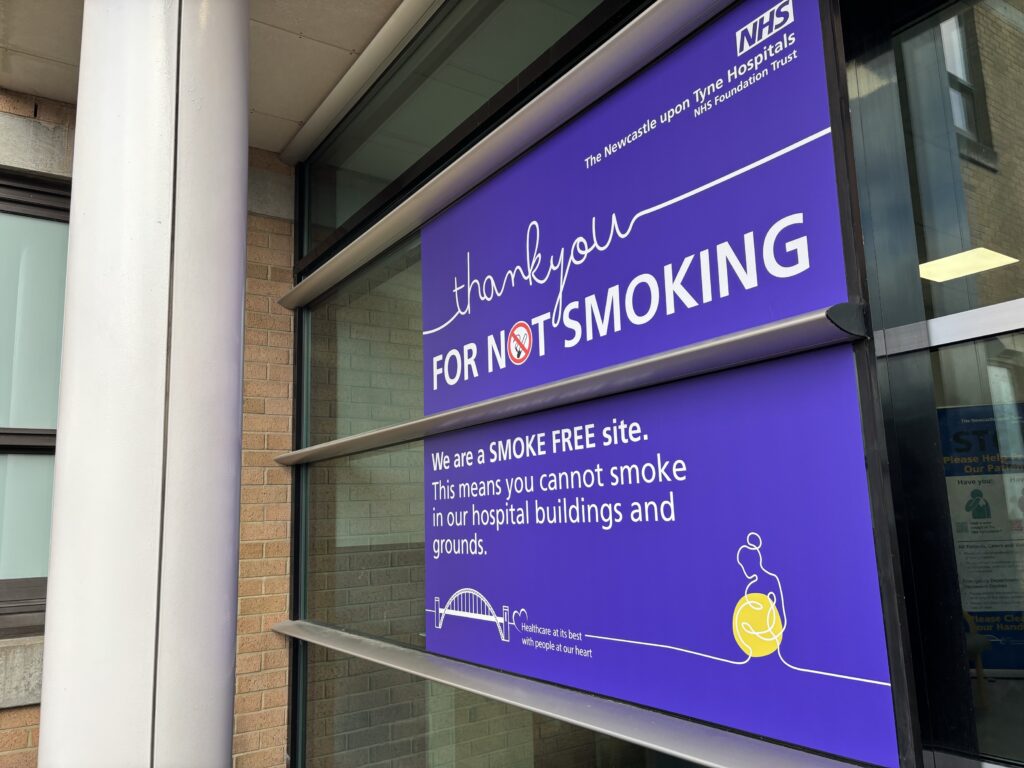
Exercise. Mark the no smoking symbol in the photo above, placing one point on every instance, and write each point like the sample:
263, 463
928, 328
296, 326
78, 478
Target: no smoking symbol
520, 342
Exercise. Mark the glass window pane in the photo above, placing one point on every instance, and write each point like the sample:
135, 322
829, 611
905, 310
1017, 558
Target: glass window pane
366, 534
962, 103
953, 48
473, 50
941, 164
33, 255
26, 494
360, 713
979, 400
366, 349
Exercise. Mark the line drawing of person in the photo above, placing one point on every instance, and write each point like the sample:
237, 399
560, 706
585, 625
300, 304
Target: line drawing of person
760, 581
762, 602
978, 506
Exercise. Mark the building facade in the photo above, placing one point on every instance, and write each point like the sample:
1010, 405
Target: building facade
454, 383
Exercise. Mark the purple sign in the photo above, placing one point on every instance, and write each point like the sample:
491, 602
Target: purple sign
690, 547
703, 547
696, 200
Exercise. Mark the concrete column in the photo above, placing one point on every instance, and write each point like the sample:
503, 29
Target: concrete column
140, 621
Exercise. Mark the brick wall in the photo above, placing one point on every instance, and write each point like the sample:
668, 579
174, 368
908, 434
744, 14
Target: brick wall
993, 195
19, 737
261, 700
38, 135
370, 328
363, 714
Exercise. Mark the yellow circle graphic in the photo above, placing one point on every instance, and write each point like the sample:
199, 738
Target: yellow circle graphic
757, 625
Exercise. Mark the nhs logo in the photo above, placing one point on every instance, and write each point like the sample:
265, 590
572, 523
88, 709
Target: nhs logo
764, 26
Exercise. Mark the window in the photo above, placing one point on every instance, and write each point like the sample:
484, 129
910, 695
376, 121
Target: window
470, 66
943, 239
969, 110
961, 92
361, 713
33, 252
365, 363
360, 532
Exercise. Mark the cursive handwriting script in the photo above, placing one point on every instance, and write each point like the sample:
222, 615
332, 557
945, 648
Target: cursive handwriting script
535, 270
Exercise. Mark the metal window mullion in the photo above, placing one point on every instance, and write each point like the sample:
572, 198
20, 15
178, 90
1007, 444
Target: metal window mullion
992, 320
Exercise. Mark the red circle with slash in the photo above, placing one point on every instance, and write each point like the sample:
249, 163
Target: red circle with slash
520, 342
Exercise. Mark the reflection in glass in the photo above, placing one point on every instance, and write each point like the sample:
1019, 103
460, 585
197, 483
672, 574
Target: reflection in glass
366, 349
473, 50
360, 713
979, 389
33, 255
26, 494
938, 118
366, 533
961, 89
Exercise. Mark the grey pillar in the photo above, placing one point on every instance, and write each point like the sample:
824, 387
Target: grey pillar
140, 621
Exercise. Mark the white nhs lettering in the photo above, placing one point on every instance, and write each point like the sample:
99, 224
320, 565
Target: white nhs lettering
764, 26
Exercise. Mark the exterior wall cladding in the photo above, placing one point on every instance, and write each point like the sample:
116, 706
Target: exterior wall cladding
37, 135
261, 693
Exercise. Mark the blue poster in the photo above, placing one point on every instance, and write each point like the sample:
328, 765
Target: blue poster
704, 547
983, 458
687, 547
697, 200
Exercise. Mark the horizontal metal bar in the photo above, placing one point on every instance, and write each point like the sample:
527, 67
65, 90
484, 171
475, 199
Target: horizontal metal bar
902, 338
34, 211
638, 43
702, 744
1006, 317
15, 440
22, 590
821, 328
23, 606
37, 195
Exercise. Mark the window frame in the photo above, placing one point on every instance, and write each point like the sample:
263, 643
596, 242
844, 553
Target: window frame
38, 196
568, 51
904, 347
350, 254
979, 147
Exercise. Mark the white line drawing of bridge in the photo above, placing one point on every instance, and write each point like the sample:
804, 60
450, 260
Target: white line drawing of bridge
467, 603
